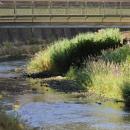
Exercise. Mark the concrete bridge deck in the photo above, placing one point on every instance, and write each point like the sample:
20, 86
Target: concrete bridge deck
65, 12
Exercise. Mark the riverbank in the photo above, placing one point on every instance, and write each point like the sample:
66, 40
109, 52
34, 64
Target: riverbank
98, 62
11, 51
78, 96
10, 123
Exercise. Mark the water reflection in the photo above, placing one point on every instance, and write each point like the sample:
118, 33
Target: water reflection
58, 111
59, 114
9, 69
45, 107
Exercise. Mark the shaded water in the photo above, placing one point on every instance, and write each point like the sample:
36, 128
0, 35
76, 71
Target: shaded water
58, 111
7, 69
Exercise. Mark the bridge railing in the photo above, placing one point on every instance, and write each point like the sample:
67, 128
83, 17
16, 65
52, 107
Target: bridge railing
34, 9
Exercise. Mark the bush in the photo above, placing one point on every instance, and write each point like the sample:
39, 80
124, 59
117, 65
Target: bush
62, 54
103, 79
118, 55
83, 78
126, 92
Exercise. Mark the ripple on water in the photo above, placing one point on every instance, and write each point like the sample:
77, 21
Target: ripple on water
7, 68
58, 114
63, 116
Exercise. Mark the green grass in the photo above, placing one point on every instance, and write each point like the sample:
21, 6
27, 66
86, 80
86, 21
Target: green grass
117, 56
126, 92
59, 56
108, 76
9, 123
106, 80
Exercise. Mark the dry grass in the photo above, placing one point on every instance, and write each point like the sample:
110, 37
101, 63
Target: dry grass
104, 79
8, 49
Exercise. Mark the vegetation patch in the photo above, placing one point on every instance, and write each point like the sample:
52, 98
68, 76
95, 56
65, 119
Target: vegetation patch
126, 92
9, 123
8, 50
59, 56
109, 78
118, 55
106, 75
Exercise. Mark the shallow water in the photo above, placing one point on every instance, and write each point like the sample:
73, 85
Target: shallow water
59, 111
7, 69
47, 114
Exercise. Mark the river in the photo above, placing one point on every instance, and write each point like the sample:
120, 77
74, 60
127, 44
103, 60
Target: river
52, 110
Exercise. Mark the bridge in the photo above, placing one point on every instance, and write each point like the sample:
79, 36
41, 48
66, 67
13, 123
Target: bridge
76, 13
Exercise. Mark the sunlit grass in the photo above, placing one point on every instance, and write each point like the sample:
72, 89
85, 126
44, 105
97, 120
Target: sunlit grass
59, 56
108, 78
101, 78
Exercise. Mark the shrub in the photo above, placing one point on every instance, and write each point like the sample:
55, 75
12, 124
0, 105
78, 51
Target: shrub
126, 92
81, 77
101, 78
118, 55
62, 54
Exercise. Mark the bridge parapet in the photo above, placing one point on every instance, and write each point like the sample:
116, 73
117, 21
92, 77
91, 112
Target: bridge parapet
65, 11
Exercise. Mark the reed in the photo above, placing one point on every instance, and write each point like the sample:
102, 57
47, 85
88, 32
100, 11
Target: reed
104, 79
59, 56
9, 123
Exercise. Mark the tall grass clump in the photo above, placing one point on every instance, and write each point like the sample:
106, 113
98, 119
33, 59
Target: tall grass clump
59, 56
9, 123
118, 55
104, 79
126, 92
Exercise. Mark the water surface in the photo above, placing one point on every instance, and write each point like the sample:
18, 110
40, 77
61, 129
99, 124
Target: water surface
53, 110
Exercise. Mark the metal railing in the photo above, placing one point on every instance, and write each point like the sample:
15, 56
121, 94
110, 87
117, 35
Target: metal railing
47, 10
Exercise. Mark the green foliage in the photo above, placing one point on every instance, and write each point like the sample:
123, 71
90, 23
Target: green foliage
118, 55
101, 78
126, 91
108, 76
9, 123
8, 44
80, 76
62, 54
